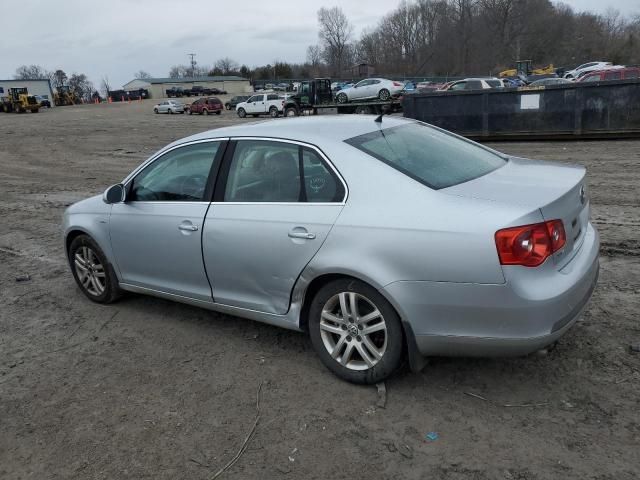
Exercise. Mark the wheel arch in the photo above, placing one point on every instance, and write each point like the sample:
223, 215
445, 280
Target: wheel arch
416, 360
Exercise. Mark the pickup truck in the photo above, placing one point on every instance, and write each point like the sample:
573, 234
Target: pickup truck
206, 106
175, 92
261, 104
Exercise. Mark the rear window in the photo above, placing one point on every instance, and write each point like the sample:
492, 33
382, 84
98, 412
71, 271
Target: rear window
428, 155
494, 83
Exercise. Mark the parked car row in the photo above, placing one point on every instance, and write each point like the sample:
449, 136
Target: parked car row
195, 91
202, 106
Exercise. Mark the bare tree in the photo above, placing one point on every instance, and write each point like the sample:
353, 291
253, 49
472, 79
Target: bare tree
105, 85
58, 78
31, 72
80, 85
179, 71
141, 75
226, 65
335, 34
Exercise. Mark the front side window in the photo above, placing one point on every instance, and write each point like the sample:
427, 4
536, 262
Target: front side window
458, 86
178, 175
255, 98
592, 78
265, 171
428, 155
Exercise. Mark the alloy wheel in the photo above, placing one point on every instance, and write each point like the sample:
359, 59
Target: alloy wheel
90, 271
353, 330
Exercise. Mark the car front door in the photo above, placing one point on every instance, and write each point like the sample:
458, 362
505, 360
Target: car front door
359, 90
256, 104
156, 232
277, 203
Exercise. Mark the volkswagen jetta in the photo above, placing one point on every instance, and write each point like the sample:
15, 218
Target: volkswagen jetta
382, 239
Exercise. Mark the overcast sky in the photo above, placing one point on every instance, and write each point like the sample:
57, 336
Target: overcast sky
119, 37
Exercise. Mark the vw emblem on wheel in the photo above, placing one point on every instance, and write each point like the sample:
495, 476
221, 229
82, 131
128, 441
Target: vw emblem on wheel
583, 195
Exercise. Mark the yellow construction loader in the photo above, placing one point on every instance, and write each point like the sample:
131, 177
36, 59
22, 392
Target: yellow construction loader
19, 101
64, 96
523, 67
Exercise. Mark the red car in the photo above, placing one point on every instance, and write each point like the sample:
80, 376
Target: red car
625, 73
206, 106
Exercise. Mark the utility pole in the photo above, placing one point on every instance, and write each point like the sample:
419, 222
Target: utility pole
193, 63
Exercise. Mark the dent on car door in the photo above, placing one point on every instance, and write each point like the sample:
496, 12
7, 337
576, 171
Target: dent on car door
271, 214
156, 232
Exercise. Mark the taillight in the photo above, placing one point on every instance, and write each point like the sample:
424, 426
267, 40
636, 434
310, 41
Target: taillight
396, 84
530, 245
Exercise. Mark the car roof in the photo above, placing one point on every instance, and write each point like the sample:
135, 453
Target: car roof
315, 130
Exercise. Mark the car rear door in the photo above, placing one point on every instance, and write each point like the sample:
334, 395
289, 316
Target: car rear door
274, 205
156, 233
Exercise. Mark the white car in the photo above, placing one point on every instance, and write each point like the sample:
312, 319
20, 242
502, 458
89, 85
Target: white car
169, 106
474, 84
585, 68
370, 88
261, 104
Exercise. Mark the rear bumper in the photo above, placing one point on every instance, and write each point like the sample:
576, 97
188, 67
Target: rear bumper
534, 308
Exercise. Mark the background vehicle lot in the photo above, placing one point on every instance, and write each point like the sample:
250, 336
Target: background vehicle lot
149, 388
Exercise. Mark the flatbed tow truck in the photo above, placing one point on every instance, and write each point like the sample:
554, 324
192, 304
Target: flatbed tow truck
315, 95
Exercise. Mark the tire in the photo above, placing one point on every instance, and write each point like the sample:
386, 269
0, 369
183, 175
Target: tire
171, 111
291, 112
382, 349
273, 111
190, 112
342, 98
205, 112
227, 106
384, 95
363, 110
242, 113
84, 249
155, 110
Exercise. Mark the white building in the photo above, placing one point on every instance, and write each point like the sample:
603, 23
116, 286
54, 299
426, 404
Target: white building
34, 87
157, 87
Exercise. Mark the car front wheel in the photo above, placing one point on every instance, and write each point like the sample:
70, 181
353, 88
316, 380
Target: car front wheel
342, 98
242, 113
355, 331
384, 95
92, 271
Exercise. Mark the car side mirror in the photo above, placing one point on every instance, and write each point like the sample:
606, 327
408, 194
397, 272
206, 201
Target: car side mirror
114, 194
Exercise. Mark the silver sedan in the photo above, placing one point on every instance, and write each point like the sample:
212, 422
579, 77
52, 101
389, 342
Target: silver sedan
169, 106
381, 240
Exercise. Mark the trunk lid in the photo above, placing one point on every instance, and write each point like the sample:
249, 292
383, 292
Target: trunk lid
557, 190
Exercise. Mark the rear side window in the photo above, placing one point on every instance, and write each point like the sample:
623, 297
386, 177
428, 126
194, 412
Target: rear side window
632, 73
429, 156
272, 97
494, 83
613, 75
267, 171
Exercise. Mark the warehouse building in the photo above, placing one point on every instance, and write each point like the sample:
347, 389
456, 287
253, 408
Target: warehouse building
157, 87
35, 87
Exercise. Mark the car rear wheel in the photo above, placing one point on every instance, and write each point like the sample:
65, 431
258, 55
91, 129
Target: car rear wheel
155, 110
355, 331
92, 271
384, 95
170, 111
342, 98
242, 113
273, 111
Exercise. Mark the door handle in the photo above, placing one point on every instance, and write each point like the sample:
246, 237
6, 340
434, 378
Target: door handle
305, 235
188, 228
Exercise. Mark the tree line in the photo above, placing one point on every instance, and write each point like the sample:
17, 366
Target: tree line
467, 37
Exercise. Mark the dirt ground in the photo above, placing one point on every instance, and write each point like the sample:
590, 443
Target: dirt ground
146, 388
